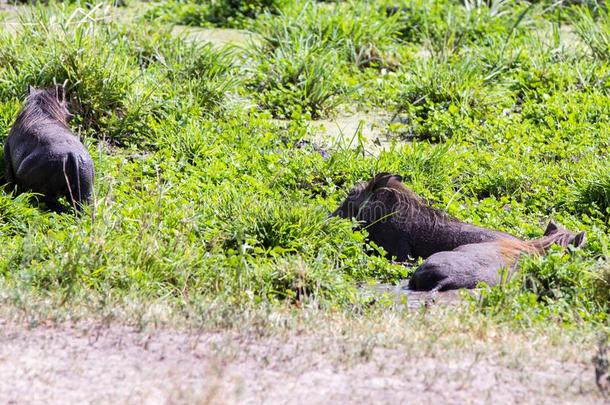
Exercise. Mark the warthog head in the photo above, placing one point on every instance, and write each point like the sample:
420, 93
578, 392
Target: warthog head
361, 194
50, 100
562, 237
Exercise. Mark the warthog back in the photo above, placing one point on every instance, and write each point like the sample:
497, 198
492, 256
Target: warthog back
42, 154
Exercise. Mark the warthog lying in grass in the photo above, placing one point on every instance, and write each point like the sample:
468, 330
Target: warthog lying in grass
489, 262
41, 153
404, 225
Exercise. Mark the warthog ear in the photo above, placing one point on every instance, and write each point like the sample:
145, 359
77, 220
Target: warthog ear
59, 92
31, 89
580, 239
382, 179
551, 228
396, 177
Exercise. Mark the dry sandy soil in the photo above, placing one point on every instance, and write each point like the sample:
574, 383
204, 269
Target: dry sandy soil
95, 363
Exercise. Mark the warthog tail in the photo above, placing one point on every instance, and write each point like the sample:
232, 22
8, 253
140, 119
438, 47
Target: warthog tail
75, 195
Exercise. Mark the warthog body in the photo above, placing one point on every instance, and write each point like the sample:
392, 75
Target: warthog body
489, 262
41, 153
405, 226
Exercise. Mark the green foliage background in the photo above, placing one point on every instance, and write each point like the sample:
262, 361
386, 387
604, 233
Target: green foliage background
502, 118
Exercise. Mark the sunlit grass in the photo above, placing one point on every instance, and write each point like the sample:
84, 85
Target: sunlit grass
202, 197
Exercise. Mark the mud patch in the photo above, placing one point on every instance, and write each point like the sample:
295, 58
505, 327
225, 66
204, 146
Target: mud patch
400, 297
219, 37
368, 130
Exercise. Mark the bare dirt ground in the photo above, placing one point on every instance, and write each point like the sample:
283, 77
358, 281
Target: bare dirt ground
93, 363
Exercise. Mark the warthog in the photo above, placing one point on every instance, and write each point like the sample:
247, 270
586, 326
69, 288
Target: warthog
489, 262
42, 155
404, 225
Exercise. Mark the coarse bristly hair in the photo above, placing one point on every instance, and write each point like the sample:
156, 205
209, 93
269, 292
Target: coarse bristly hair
42, 105
408, 204
511, 249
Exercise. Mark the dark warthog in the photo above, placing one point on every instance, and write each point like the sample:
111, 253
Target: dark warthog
405, 226
41, 153
489, 262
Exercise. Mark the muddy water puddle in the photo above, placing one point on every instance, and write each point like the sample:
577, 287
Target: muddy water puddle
401, 297
219, 37
366, 129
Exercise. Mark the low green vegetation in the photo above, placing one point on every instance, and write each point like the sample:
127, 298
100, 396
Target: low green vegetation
210, 185
201, 13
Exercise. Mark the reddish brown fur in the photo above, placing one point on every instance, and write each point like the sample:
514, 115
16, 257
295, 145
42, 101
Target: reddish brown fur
511, 249
396, 219
488, 262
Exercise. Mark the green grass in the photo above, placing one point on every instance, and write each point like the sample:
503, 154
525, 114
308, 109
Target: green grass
201, 13
116, 90
593, 27
202, 198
